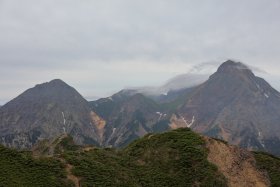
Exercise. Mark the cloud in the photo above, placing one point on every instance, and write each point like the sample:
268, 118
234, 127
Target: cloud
204, 67
93, 44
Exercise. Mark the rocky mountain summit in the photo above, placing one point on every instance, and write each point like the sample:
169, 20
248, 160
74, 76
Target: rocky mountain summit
236, 106
233, 105
46, 111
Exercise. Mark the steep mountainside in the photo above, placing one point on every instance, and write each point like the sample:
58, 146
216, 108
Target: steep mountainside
236, 106
176, 158
46, 111
128, 116
233, 105
238, 166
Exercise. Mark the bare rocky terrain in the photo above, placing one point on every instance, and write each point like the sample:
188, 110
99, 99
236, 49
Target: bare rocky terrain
237, 165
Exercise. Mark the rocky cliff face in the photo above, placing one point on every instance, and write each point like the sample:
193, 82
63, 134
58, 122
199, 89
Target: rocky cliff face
128, 117
237, 165
47, 111
236, 106
233, 105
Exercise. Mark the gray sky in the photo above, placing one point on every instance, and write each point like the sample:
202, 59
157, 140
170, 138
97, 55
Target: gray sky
101, 46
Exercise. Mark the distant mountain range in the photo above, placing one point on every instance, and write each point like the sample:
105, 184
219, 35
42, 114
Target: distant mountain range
233, 105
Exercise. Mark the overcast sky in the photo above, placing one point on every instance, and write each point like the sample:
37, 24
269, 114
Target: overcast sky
101, 46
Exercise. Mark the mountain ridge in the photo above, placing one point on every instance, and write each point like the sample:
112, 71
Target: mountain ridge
233, 105
232, 100
45, 111
179, 158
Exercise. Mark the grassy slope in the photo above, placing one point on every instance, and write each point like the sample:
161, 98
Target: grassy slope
20, 169
176, 158
271, 165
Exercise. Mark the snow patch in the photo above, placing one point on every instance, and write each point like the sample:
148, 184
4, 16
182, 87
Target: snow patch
64, 122
261, 142
266, 95
114, 130
189, 124
184, 120
160, 115
260, 139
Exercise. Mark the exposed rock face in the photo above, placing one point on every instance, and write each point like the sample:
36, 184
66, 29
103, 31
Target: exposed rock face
236, 106
237, 165
233, 104
179, 122
128, 117
46, 111
99, 125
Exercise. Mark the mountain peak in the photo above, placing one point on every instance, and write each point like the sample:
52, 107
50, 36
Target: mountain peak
230, 65
234, 69
57, 81
46, 111
53, 84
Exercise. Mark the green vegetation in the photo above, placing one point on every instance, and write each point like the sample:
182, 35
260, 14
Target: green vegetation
176, 158
271, 165
20, 169
65, 144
